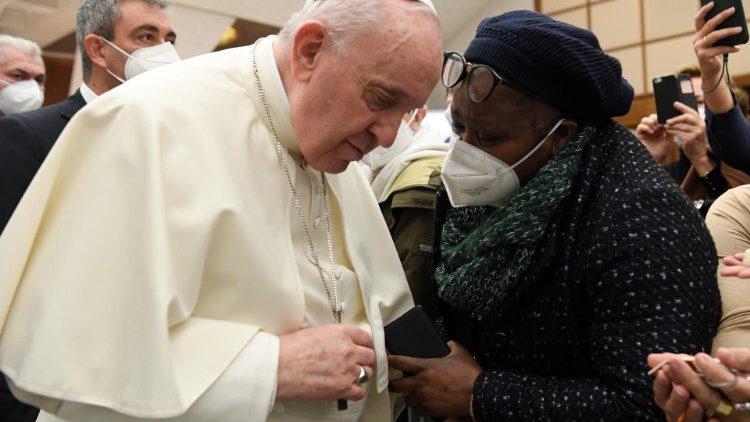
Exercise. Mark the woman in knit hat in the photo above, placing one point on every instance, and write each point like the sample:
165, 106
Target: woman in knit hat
568, 254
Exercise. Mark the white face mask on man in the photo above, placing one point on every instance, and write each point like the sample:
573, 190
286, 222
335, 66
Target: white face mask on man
474, 177
20, 97
145, 59
380, 157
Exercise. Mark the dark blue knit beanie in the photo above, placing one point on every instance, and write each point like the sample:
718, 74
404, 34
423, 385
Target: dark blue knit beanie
559, 63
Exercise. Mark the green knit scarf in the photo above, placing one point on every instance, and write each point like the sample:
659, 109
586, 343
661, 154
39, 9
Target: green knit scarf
486, 250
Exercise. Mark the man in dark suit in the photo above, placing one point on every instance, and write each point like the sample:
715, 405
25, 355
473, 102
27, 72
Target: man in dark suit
22, 75
25, 140
110, 35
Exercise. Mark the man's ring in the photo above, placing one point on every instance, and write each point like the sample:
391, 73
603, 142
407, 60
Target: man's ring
705, 39
363, 378
722, 409
719, 385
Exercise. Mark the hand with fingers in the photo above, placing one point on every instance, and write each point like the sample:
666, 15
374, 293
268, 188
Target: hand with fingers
729, 377
674, 399
324, 363
691, 128
438, 387
655, 137
713, 388
735, 266
709, 56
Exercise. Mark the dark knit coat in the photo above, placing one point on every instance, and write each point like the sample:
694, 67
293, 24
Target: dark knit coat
627, 268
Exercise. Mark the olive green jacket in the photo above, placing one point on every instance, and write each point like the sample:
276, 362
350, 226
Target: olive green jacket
410, 213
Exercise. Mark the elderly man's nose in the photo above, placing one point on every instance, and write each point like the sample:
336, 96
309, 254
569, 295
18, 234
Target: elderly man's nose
388, 135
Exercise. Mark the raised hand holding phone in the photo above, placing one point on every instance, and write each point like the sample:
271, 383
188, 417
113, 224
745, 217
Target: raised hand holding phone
709, 36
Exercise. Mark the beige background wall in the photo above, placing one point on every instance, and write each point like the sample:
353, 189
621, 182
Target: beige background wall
650, 37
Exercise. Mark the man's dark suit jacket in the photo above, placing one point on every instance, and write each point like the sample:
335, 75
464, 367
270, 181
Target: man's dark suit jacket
25, 141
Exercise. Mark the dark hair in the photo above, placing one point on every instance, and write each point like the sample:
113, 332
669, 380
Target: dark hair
693, 70
99, 17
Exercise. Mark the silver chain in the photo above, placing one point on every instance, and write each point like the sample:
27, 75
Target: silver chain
332, 292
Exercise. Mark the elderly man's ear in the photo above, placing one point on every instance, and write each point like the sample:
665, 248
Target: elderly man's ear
308, 44
567, 130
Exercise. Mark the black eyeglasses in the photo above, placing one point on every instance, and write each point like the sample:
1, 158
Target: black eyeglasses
481, 80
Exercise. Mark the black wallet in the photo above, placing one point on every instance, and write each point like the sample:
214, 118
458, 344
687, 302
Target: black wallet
414, 335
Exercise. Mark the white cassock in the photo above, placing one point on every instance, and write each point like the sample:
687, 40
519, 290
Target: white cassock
156, 257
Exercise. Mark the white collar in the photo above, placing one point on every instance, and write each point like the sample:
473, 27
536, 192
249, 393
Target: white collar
279, 83
277, 101
87, 94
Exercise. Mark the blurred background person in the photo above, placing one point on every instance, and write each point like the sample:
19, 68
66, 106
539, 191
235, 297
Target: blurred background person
22, 75
116, 37
729, 224
727, 126
406, 180
681, 146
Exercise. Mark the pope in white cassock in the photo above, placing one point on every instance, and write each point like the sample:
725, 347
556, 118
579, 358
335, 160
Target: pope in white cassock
197, 247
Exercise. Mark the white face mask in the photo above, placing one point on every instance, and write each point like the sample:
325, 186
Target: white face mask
448, 115
145, 59
380, 157
20, 97
473, 177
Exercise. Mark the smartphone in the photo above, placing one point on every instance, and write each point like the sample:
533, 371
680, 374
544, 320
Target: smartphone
414, 335
671, 88
737, 19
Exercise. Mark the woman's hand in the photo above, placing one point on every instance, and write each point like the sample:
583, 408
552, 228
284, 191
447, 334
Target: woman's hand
684, 395
706, 35
654, 137
709, 57
736, 267
438, 387
734, 384
674, 400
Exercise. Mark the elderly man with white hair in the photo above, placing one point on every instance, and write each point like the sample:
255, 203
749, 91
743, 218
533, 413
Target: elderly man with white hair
22, 75
217, 258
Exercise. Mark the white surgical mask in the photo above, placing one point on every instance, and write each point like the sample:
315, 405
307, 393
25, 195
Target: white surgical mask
145, 59
380, 157
20, 97
473, 177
